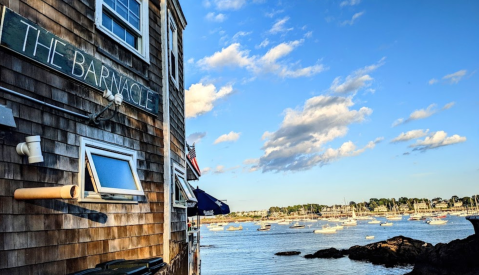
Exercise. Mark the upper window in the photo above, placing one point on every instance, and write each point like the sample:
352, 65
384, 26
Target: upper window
173, 49
125, 21
182, 192
108, 172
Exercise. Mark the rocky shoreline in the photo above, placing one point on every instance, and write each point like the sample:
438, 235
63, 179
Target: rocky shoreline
455, 257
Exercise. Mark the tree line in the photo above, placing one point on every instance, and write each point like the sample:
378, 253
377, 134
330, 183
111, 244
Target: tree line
375, 202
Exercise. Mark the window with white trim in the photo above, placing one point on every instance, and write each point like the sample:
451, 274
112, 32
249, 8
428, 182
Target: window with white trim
182, 193
173, 49
108, 172
126, 21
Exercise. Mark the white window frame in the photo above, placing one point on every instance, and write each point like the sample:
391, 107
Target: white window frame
174, 30
89, 146
179, 171
143, 50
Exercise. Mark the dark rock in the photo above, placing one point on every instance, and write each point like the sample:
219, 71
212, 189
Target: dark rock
327, 253
398, 250
288, 253
456, 257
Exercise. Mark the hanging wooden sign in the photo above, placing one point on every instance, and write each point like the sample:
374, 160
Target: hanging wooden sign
28, 39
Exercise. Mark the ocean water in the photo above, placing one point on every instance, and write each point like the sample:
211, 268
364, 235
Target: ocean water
252, 252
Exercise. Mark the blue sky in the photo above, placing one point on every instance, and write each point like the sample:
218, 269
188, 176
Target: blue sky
294, 102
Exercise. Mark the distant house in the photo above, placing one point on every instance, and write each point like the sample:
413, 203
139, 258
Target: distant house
404, 207
441, 204
420, 205
381, 208
458, 204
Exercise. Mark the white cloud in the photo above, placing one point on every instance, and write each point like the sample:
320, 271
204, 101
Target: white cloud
206, 3
422, 113
220, 169
436, 140
211, 16
201, 98
308, 34
191, 60
273, 13
301, 72
251, 161
353, 19
240, 34
230, 56
205, 170
298, 143
355, 81
410, 135
455, 77
432, 81
417, 114
233, 56
229, 4
195, 137
263, 44
279, 26
448, 105
349, 3
231, 136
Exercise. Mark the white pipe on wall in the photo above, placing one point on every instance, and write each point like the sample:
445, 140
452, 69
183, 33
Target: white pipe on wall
60, 192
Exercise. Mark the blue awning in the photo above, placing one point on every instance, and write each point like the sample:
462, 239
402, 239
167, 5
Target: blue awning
207, 205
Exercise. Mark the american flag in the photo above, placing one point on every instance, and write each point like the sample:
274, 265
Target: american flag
192, 156
192, 152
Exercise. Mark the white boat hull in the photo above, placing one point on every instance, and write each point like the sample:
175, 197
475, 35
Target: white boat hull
325, 231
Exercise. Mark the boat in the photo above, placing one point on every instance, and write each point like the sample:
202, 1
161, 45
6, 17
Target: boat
369, 237
296, 225
436, 221
337, 227
350, 222
285, 222
386, 224
441, 215
374, 221
394, 217
217, 228
263, 227
212, 225
416, 217
326, 229
232, 228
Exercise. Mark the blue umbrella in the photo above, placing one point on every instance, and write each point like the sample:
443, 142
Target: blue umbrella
207, 205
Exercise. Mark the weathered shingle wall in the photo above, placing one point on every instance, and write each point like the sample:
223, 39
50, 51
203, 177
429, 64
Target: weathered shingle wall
177, 138
60, 236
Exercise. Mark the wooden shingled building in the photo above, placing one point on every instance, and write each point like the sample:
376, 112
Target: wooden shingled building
92, 135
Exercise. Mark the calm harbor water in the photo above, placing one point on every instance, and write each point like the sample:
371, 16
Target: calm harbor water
252, 252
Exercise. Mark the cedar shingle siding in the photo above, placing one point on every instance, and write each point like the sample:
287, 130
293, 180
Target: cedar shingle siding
62, 236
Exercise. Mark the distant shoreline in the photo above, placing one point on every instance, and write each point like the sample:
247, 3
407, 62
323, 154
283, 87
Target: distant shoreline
217, 219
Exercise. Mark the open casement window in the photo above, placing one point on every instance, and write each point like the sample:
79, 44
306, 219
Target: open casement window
173, 49
109, 172
126, 21
183, 195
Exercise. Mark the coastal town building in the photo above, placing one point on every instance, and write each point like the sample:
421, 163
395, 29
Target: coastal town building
93, 157
420, 205
404, 207
441, 204
381, 208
